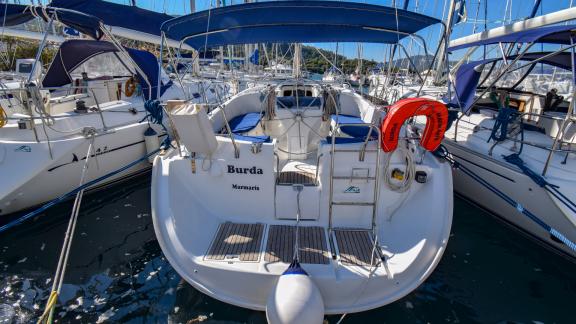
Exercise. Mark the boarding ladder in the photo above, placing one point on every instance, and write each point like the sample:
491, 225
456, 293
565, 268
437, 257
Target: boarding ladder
375, 178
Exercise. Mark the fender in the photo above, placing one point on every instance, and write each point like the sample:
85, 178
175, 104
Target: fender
436, 122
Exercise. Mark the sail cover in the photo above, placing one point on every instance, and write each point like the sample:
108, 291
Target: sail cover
14, 14
295, 21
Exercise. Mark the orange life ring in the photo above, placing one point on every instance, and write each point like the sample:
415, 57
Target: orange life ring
130, 87
436, 122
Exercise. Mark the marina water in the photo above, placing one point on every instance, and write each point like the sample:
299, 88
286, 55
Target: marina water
489, 274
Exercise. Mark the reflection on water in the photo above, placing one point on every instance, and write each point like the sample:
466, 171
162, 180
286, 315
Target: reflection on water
117, 273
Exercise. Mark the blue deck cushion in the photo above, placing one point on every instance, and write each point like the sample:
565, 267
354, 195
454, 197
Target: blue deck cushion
303, 102
245, 123
353, 131
346, 140
253, 139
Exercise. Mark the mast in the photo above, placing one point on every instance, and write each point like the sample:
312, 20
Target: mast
443, 45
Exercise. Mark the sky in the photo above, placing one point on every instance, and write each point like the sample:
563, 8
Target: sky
499, 12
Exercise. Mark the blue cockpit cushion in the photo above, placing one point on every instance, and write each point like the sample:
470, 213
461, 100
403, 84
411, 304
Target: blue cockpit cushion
245, 123
301, 102
353, 131
253, 139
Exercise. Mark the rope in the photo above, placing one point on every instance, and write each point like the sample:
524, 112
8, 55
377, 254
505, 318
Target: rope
409, 172
443, 153
65, 252
3, 117
540, 181
500, 130
73, 192
155, 115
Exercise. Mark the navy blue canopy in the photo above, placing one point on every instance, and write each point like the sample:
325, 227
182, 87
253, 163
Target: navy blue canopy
465, 83
547, 34
72, 53
14, 14
295, 21
468, 75
114, 14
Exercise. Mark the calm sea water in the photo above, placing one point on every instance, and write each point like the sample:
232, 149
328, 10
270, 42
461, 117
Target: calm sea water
489, 274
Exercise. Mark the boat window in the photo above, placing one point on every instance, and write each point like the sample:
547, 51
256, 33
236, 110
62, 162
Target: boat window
102, 65
300, 93
25, 67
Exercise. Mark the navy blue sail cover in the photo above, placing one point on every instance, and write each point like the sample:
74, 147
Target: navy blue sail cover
14, 14
547, 34
295, 21
72, 53
113, 14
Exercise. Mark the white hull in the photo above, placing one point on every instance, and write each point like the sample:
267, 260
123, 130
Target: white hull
36, 170
31, 176
195, 202
517, 186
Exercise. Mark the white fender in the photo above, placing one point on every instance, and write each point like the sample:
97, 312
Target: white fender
152, 142
295, 299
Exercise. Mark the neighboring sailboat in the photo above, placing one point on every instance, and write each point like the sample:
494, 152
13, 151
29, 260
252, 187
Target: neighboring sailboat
95, 93
516, 132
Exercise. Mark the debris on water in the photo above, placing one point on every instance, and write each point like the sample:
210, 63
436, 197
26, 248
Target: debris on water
409, 305
22, 260
151, 274
127, 205
43, 246
176, 309
200, 318
116, 217
537, 269
104, 317
139, 216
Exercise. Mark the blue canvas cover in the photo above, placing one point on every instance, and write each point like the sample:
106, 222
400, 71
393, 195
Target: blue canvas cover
295, 21
14, 14
72, 53
113, 14
465, 83
468, 75
547, 34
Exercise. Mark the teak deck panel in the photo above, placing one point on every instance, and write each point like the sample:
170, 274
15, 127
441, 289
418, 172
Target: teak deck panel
355, 247
233, 240
296, 177
312, 244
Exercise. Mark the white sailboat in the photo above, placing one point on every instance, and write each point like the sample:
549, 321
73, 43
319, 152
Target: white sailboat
95, 94
298, 197
516, 132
